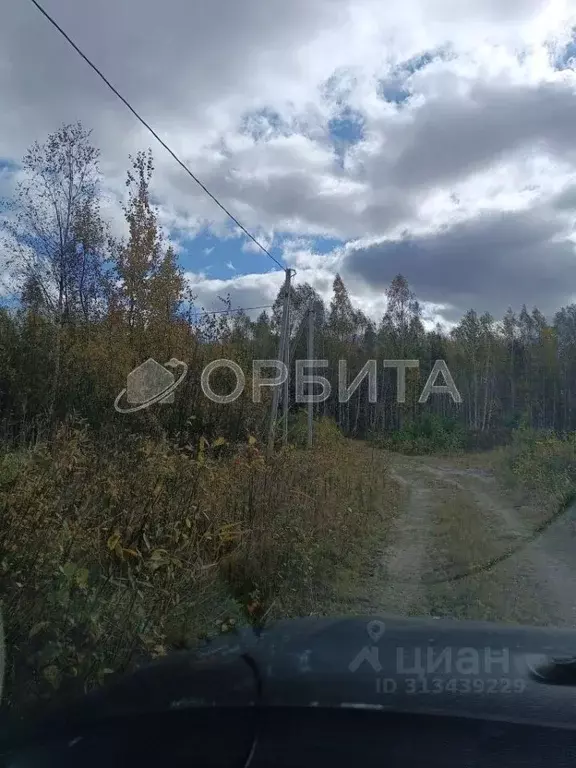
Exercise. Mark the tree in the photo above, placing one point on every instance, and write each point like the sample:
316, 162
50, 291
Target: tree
54, 229
401, 333
138, 259
342, 318
510, 333
468, 336
165, 297
151, 284
403, 313
565, 326
302, 296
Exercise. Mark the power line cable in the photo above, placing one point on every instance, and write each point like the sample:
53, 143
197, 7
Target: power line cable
153, 132
228, 311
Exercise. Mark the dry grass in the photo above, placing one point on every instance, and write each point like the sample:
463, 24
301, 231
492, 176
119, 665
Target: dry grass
542, 465
476, 532
116, 550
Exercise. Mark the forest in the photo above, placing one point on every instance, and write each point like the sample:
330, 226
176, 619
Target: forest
85, 308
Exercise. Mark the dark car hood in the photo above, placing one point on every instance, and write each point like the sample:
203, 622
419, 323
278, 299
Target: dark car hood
473, 669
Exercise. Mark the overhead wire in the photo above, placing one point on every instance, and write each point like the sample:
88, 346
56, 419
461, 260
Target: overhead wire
153, 132
433, 580
229, 311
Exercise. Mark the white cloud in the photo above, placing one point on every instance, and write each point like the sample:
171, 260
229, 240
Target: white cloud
245, 290
245, 92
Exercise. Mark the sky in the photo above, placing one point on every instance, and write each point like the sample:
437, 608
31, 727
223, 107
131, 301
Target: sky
435, 138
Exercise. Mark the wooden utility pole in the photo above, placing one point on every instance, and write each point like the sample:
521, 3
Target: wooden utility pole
311, 324
282, 356
287, 356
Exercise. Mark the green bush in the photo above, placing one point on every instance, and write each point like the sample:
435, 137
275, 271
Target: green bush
427, 435
542, 462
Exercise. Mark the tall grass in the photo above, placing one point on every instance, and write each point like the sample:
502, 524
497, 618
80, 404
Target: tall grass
116, 548
542, 463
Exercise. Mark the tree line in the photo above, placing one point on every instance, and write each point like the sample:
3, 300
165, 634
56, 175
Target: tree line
90, 307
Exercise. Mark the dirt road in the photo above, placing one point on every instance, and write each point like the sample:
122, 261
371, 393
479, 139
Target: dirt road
454, 518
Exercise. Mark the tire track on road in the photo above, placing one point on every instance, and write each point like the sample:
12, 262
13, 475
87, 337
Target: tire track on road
452, 519
404, 560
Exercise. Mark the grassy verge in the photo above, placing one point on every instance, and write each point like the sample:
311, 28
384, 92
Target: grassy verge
358, 581
465, 539
542, 465
535, 480
118, 549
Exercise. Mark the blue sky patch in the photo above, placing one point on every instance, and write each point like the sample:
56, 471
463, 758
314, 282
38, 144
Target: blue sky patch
416, 63
325, 244
346, 130
7, 165
565, 58
224, 259
347, 127
261, 123
393, 91
394, 87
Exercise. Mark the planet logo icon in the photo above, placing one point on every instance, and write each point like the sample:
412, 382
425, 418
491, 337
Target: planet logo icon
150, 383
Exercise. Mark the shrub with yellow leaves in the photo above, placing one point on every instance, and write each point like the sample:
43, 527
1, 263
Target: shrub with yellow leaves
116, 551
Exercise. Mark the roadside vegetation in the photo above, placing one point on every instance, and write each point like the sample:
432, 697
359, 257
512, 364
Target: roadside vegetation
542, 464
430, 434
119, 549
123, 536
